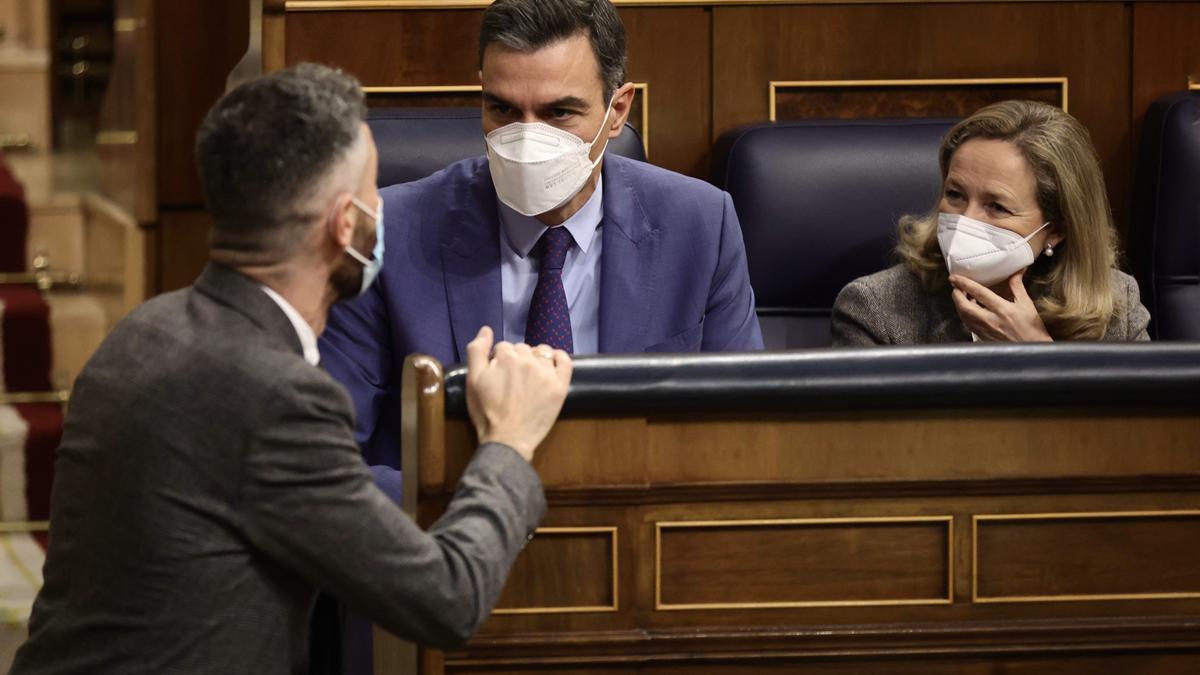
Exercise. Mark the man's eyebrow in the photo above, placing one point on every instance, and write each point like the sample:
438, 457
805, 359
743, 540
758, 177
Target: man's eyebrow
568, 102
489, 97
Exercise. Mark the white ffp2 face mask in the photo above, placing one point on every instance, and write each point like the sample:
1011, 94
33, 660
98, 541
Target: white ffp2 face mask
537, 168
982, 252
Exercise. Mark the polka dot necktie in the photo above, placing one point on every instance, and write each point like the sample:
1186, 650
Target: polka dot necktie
549, 319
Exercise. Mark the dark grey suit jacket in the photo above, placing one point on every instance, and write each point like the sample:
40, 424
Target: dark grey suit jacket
208, 483
892, 308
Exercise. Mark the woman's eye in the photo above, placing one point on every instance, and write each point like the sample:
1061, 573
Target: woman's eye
953, 194
997, 206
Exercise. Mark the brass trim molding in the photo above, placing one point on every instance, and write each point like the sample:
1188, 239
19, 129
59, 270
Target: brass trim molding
1083, 515
431, 89
127, 24
13, 397
9, 141
116, 137
775, 85
575, 609
24, 526
643, 89
659, 605
1193, 84
44, 280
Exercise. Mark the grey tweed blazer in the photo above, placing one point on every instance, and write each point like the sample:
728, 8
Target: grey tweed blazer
892, 308
208, 483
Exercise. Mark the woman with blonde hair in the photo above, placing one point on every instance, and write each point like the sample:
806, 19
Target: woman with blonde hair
1020, 248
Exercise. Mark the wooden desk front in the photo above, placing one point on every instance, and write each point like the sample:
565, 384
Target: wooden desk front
903, 540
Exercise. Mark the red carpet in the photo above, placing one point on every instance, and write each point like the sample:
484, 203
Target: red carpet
45, 431
26, 331
25, 353
14, 222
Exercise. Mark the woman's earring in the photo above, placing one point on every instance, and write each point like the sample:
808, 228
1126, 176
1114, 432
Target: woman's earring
1049, 250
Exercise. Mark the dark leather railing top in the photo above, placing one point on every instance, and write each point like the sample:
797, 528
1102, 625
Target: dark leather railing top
1022, 376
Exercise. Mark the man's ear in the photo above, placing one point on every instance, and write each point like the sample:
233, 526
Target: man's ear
621, 106
341, 220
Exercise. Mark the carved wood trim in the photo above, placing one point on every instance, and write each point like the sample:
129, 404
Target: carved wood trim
778, 491
613, 607
774, 87
839, 642
422, 429
977, 598
659, 605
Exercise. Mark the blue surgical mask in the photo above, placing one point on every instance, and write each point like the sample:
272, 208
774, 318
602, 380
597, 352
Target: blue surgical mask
371, 267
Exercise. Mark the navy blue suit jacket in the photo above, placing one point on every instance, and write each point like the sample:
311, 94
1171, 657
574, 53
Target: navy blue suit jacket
673, 278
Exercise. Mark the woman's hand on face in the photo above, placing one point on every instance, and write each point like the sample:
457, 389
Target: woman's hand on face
994, 319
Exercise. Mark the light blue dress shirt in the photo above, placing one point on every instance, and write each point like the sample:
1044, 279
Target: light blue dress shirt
581, 271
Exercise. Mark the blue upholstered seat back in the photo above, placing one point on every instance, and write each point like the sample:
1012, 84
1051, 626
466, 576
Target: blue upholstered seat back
1164, 241
819, 202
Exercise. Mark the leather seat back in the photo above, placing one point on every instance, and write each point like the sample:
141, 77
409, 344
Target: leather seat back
819, 202
1165, 238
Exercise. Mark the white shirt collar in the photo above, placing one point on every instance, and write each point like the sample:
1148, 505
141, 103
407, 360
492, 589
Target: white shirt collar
308, 338
523, 232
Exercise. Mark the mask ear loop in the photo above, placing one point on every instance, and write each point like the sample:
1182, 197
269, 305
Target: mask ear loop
603, 126
1025, 240
350, 248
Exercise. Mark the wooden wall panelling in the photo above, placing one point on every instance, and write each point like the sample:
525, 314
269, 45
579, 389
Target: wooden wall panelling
929, 664
1086, 556
730, 474
422, 49
669, 49
198, 44
851, 562
1088, 43
839, 448
126, 140
849, 99
1166, 52
182, 247
274, 33
389, 48
565, 570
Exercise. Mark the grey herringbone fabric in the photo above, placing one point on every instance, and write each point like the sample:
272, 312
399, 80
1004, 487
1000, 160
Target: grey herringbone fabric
892, 308
208, 484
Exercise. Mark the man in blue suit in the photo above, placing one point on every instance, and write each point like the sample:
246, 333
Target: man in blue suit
546, 240
654, 261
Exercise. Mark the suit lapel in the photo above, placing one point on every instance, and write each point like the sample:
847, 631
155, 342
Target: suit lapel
628, 264
471, 263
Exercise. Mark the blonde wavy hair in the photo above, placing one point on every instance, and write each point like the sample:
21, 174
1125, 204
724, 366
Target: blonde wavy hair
1073, 290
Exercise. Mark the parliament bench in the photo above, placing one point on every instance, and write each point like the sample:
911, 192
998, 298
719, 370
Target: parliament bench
949, 509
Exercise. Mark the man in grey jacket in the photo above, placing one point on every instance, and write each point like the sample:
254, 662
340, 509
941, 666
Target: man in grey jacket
208, 482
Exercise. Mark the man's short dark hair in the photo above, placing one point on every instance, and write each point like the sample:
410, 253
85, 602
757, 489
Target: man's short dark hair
264, 149
529, 25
